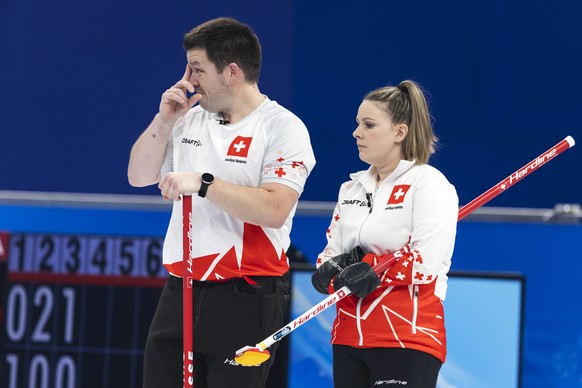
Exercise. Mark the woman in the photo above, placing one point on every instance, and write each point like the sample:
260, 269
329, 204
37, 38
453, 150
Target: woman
390, 331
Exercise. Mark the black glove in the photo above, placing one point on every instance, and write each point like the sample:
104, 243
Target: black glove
360, 279
323, 275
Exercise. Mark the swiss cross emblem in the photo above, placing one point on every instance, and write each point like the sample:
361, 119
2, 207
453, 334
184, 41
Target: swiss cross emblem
240, 146
398, 194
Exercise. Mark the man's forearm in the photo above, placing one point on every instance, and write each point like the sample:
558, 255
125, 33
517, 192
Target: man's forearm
267, 206
147, 154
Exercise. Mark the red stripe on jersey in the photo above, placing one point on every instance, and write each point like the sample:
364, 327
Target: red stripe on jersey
259, 254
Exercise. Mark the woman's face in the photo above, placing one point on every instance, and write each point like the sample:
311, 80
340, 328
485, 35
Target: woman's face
378, 139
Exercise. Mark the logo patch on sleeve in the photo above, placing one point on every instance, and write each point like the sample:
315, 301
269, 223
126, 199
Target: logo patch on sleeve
398, 194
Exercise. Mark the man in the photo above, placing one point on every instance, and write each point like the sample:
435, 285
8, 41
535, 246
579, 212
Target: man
245, 159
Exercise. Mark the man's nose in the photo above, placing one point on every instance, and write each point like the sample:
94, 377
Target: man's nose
194, 80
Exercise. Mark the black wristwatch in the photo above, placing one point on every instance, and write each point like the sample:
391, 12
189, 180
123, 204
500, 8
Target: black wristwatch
207, 179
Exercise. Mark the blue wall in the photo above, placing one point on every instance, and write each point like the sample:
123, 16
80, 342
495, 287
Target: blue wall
81, 80
503, 77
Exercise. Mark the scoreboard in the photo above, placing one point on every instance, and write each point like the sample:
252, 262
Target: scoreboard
80, 279
76, 309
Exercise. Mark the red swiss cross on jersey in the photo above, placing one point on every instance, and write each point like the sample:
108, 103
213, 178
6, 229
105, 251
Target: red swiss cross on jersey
240, 146
398, 194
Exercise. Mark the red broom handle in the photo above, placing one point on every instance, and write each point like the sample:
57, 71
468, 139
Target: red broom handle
188, 355
499, 188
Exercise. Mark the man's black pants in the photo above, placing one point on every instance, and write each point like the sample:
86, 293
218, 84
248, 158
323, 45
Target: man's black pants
227, 316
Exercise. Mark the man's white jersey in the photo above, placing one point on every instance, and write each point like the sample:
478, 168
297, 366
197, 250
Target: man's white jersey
270, 145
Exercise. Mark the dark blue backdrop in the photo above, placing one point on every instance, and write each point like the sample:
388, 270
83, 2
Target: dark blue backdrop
81, 80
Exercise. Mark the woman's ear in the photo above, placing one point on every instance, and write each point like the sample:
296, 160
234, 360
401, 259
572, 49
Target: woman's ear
401, 132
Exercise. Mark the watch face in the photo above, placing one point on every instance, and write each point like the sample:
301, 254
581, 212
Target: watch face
207, 178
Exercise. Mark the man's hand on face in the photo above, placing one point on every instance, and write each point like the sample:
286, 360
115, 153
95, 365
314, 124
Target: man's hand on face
175, 102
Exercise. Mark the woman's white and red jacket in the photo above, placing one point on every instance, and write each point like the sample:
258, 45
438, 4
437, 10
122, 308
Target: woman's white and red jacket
413, 212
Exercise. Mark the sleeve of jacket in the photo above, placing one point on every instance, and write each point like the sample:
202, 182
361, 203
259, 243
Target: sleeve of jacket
428, 254
333, 234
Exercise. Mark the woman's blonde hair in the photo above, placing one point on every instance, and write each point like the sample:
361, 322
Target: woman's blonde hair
406, 104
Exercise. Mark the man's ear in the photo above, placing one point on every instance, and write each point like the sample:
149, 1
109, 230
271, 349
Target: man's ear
232, 72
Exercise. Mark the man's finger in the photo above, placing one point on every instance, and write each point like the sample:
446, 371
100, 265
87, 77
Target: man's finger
176, 95
185, 85
187, 73
162, 182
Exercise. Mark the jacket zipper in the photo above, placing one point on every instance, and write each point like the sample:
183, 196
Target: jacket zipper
414, 308
370, 202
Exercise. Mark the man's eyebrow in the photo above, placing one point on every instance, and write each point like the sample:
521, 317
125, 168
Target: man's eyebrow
194, 63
